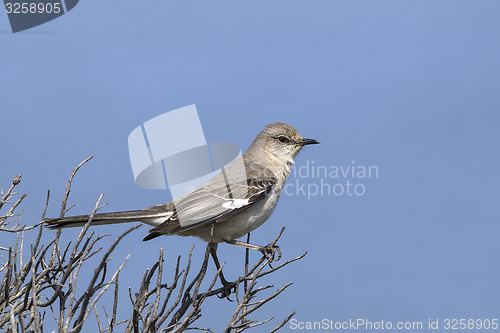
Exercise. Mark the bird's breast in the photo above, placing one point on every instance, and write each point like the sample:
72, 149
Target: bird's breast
246, 221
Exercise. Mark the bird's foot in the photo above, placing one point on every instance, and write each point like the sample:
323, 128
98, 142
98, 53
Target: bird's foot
227, 289
272, 252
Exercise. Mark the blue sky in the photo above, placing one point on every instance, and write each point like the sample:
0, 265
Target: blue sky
408, 86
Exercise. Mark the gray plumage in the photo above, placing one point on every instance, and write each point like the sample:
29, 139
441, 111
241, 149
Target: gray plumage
233, 203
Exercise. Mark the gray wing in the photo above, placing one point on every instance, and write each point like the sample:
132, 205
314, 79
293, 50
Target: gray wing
233, 190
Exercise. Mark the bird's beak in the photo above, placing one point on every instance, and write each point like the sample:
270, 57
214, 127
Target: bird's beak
304, 142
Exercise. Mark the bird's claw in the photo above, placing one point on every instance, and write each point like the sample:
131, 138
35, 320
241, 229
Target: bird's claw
228, 288
272, 252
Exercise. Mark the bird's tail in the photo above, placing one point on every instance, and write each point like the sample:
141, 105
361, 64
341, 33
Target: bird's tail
107, 218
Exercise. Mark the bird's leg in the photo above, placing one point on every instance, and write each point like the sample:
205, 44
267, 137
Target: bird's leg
228, 286
269, 251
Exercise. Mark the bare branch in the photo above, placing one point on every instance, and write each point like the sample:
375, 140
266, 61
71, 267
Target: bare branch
68, 185
287, 319
5, 197
44, 280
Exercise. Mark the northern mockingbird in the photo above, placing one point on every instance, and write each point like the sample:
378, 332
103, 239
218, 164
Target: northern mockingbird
230, 205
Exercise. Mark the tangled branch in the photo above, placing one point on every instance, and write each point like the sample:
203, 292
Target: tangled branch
46, 283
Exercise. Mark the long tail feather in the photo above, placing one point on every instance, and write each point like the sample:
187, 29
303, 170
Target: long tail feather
109, 218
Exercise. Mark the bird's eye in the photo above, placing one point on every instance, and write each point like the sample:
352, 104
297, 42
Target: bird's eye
283, 139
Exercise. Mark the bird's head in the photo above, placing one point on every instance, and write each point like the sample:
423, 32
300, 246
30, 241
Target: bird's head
282, 141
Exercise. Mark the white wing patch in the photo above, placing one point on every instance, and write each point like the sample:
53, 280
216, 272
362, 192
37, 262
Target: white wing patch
235, 203
156, 220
